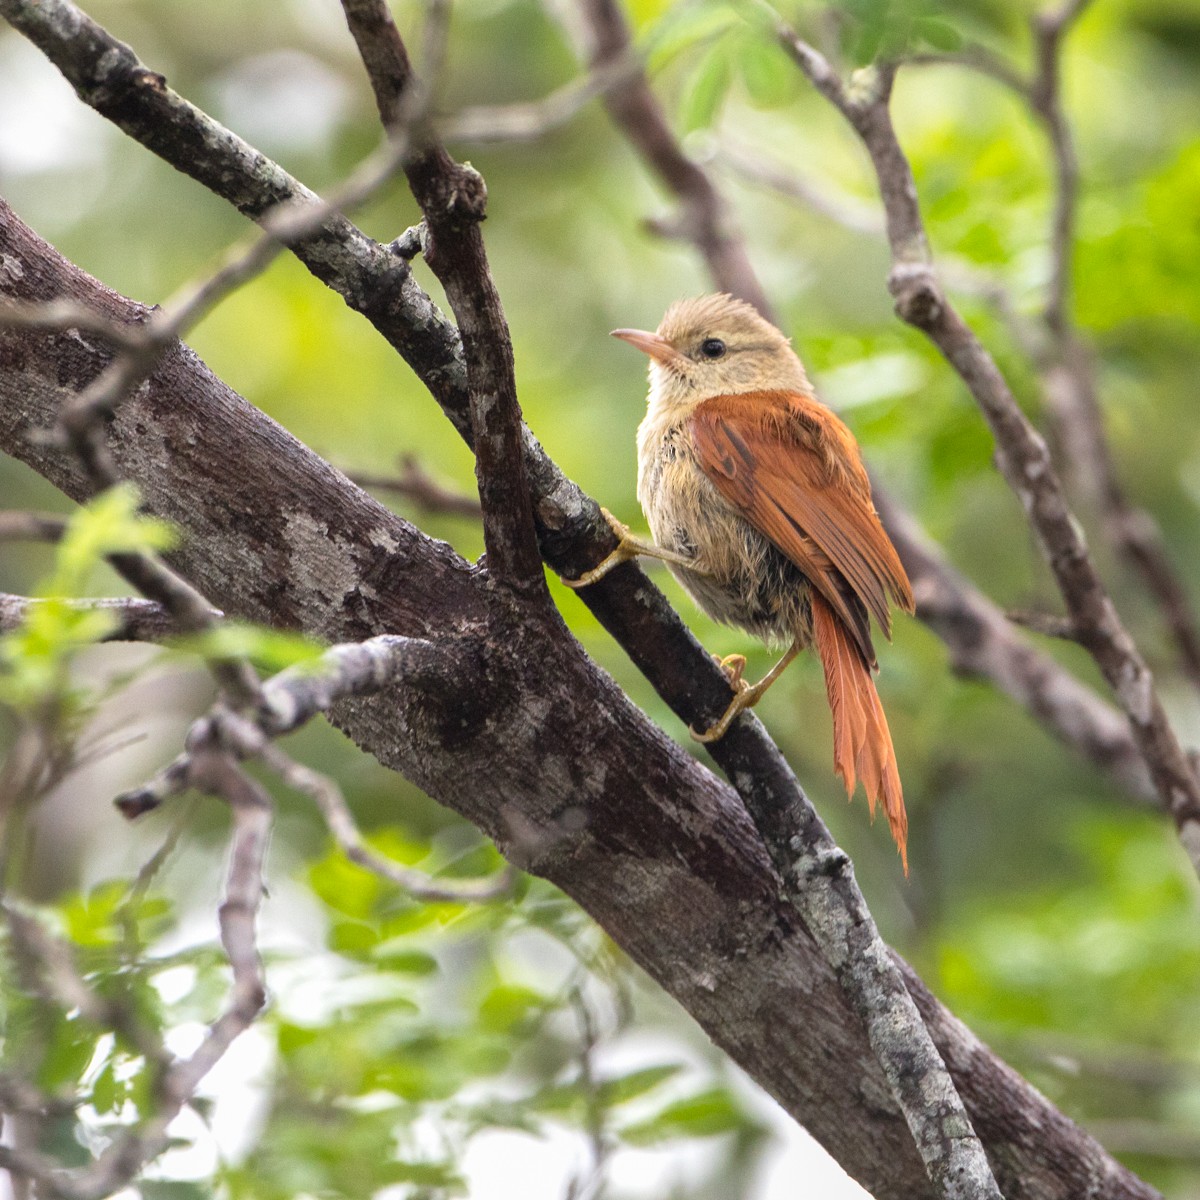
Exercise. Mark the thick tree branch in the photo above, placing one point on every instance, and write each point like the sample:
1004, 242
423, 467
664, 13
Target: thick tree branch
653, 845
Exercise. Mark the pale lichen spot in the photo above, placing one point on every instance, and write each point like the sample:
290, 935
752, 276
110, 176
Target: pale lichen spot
1135, 691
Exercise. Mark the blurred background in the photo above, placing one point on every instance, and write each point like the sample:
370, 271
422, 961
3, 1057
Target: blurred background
438, 1049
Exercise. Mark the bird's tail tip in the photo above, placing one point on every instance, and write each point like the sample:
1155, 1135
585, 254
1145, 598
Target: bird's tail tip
862, 741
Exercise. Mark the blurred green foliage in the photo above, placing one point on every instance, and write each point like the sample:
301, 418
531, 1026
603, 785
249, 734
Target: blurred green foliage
1053, 914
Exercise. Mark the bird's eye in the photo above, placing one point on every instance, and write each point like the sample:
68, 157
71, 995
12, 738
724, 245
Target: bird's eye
712, 348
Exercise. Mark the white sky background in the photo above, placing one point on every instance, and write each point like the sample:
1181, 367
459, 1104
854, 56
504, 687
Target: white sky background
45, 131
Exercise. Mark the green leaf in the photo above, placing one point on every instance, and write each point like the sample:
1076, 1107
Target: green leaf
107, 1094
397, 955
344, 887
684, 26
507, 1006
704, 1115
109, 524
355, 939
270, 650
771, 79
705, 90
939, 34
637, 1083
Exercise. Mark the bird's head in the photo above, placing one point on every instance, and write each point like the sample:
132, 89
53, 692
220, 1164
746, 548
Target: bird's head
714, 346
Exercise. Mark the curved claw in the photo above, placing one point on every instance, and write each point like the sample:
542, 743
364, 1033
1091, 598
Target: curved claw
627, 548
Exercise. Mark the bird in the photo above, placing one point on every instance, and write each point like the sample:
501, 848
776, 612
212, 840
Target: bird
759, 503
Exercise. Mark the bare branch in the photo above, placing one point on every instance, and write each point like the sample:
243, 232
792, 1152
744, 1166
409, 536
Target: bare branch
20, 525
292, 698
534, 119
846, 210
414, 483
976, 58
453, 198
329, 799
134, 620
1021, 453
1132, 1135
1047, 624
635, 110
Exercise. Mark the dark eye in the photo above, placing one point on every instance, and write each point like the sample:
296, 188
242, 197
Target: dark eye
712, 348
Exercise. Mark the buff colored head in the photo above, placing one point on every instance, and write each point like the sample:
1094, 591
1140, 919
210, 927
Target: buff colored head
712, 346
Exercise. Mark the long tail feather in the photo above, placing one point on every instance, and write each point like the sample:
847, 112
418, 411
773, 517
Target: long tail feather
862, 742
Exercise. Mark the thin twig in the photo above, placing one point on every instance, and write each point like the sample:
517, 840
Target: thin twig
17, 525
534, 119
414, 483
133, 619
292, 698
329, 799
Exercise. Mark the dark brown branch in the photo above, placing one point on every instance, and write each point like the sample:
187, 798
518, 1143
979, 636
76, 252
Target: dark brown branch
636, 111
414, 483
453, 198
1047, 624
19, 525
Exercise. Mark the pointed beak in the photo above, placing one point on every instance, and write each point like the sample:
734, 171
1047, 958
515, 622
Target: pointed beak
652, 344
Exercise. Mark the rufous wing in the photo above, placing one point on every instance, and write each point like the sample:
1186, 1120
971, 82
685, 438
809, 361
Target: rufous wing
793, 470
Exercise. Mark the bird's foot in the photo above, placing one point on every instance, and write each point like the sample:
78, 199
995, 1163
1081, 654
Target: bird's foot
746, 695
627, 547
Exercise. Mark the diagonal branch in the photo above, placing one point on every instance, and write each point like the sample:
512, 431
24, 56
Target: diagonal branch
453, 199
1021, 452
634, 108
1065, 364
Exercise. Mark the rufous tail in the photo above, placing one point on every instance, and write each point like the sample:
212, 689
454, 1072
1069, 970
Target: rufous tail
862, 742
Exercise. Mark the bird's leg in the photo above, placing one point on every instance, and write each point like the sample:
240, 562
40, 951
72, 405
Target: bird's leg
629, 546
746, 695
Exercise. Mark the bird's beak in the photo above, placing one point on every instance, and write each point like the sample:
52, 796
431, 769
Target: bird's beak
652, 344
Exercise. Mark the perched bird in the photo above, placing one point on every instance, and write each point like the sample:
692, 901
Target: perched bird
760, 505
